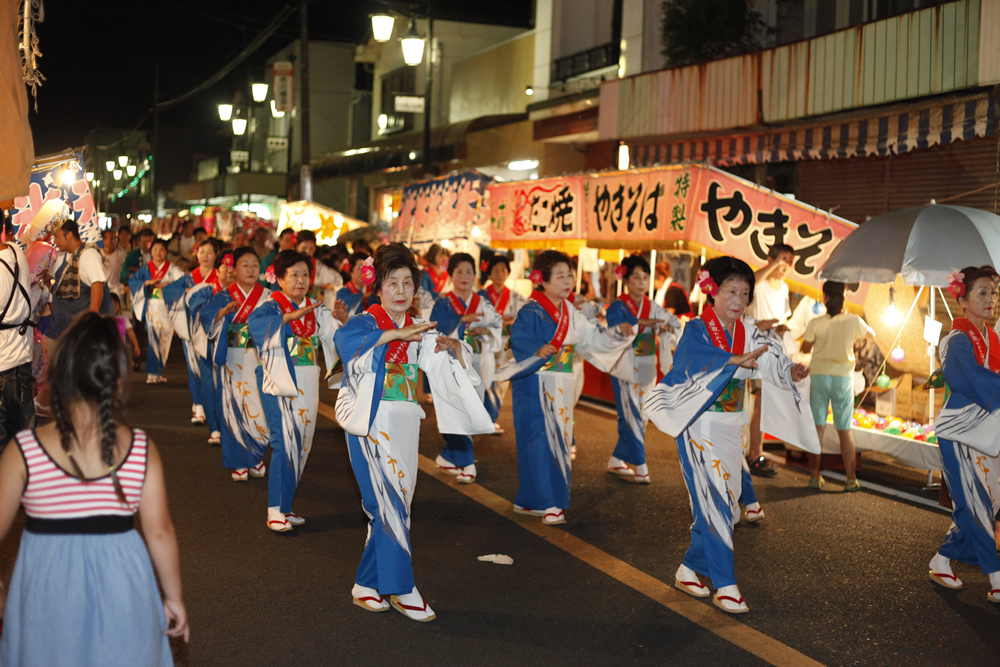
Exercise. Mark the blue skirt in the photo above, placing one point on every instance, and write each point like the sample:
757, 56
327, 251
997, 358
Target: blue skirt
84, 600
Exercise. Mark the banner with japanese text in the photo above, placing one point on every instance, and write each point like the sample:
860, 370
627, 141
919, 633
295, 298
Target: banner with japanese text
639, 207
59, 177
543, 211
442, 208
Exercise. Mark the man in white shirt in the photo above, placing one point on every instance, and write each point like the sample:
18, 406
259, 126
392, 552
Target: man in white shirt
17, 385
114, 257
79, 281
180, 249
771, 308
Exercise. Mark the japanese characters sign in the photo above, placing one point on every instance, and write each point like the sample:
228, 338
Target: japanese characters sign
283, 86
551, 209
639, 206
442, 208
47, 183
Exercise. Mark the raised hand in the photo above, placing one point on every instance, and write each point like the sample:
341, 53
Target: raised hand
546, 350
340, 311
748, 360
300, 313
650, 322
626, 328
800, 372
471, 317
412, 333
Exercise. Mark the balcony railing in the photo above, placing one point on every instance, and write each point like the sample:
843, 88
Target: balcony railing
596, 58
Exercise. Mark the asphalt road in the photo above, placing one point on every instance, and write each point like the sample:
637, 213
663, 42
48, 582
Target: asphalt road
830, 577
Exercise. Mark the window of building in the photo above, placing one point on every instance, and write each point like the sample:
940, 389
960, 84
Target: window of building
402, 81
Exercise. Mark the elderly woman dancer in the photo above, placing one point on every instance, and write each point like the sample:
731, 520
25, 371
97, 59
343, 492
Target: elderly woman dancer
967, 429
508, 304
146, 286
701, 403
635, 375
382, 349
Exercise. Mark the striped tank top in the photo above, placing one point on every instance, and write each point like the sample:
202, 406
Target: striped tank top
57, 501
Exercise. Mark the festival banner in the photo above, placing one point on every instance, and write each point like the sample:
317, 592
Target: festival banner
442, 208
47, 183
541, 212
707, 207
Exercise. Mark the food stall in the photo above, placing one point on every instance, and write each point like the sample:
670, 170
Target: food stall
325, 222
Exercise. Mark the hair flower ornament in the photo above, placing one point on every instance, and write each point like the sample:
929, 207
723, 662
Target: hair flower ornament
483, 265
535, 277
345, 266
368, 271
227, 261
620, 272
269, 275
956, 284
706, 284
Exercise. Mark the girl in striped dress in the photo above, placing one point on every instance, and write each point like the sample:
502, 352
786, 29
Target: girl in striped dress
84, 591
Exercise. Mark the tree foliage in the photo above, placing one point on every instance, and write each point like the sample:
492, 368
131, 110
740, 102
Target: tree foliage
695, 31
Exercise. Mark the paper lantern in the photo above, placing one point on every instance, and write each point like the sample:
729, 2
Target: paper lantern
898, 355
882, 381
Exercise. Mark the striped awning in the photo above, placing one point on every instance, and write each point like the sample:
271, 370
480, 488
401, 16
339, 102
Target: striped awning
900, 131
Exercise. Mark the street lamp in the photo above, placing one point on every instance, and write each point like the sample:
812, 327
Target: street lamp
274, 111
259, 92
413, 45
117, 173
110, 164
382, 27
90, 175
122, 160
130, 170
68, 177
239, 126
225, 112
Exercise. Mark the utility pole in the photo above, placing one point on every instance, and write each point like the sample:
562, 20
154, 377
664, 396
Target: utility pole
428, 84
305, 172
156, 142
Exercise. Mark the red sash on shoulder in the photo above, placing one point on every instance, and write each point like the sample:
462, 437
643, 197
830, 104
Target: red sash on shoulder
459, 307
247, 303
155, 273
397, 352
439, 279
212, 279
352, 288
304, 327
718, 332
638, 312
981, 347
500, 300
559, 315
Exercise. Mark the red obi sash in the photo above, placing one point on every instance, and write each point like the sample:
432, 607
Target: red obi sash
718, 332
982, 348
305, 326
638, 312
397, 352
247, 303
212, 279
499, 300
559, 315
157, 274
439, 279
459, 307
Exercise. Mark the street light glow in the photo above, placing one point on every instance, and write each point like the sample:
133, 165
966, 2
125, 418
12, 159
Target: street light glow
122, 160
413, 46
239, 126
522, 165
274, 111
225, 112
130, 170
110, 164
623, 157
117, 173
68, 177
259, 92
382, 27
90, 175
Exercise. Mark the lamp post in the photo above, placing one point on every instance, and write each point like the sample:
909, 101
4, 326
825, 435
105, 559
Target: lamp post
412, 44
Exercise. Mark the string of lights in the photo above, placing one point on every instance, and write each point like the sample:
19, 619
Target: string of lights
134, 182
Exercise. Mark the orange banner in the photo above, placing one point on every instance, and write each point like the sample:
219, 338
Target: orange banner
549, 210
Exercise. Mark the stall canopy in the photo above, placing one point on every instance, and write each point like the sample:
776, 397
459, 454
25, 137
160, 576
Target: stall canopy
18, 154
546, 213
325, 222
61, 178
449, 207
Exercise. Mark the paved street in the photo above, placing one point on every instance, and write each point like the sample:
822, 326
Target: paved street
832, 578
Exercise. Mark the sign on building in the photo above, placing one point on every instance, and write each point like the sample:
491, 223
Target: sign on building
283, 86
409, 104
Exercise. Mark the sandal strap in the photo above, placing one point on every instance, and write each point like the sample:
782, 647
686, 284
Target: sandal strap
730, 598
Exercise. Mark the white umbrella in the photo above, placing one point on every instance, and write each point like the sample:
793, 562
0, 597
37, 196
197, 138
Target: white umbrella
923, 244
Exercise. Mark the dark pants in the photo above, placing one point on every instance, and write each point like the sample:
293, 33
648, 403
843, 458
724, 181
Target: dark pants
17, 402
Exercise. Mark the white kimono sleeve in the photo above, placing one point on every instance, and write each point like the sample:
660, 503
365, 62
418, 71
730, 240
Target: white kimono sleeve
785, 411
354, 401
602, 347
457, 404
668, 339
326, 326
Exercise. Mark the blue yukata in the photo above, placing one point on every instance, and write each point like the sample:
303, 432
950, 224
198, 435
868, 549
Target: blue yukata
433, 283
635, 376
378, 409
701, 403
245, 435
150, 309
288, 383
508, 303
544, 394
457, 449
355, 300
967, 429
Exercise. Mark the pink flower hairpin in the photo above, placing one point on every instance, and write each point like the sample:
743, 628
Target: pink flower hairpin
485, 264
270, 276
535, 277
227, 261
368, 271
620, 272
706, 284
346, 266
956, 284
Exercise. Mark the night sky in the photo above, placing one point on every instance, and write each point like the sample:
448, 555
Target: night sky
99, 56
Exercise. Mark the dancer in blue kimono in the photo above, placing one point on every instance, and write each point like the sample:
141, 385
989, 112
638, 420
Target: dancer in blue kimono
355, 294
701, 403
288, 330
146, 286
967, 430
434, 279
508, 304
635, 376
545, 337
245, 435
465, 315
382, 351
201, 285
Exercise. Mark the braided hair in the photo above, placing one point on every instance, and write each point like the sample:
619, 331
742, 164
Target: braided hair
89, 366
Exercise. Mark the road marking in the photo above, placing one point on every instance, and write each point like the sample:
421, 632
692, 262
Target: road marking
717, 622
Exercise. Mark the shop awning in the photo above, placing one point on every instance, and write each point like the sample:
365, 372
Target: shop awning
449, 207
895, 129
447, 143
540, 214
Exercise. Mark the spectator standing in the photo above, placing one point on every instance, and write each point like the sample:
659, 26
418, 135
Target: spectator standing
79, 281
139, 256
286, 241
17, 405
671, 295
114, 258
180, 249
